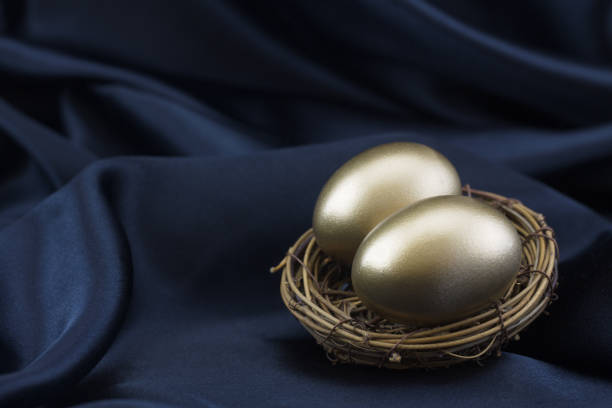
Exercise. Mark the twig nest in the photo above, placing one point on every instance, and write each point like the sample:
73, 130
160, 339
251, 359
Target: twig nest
318, 292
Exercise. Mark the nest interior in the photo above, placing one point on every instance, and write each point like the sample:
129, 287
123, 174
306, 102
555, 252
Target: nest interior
318, 292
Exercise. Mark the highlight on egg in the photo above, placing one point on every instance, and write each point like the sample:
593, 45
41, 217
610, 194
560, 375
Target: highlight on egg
436, 261
373, 185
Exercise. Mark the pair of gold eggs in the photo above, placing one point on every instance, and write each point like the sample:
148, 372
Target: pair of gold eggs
421, 253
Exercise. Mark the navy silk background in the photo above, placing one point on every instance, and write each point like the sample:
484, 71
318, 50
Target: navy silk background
156, 158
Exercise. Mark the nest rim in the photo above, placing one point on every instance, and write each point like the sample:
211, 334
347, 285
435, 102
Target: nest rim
350, 333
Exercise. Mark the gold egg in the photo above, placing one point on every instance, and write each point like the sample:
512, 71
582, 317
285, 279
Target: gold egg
436, 261
374, 185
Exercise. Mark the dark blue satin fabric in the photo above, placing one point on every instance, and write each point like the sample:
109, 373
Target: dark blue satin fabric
157, 158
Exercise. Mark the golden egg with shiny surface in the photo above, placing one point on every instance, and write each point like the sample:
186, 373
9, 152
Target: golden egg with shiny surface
436, 261
374, 185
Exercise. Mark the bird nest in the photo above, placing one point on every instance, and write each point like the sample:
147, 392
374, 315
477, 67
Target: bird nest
318, 292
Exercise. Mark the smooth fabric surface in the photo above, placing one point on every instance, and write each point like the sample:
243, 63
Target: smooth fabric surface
156, 158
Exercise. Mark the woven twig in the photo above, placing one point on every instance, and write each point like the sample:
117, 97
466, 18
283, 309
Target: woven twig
318, 292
